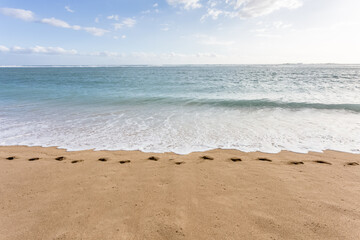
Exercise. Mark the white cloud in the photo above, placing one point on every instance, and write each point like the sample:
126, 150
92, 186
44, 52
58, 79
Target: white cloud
60, 23
153, 10
76, 27
256, 8
165, 27
127, 22
56, 22
96, 20
213, 13
4, 49
206, 55
212, 3
22, 14
95, 31
69, 9
122, 37
52, 50
117, 26
187, 4
146, 11
106, 54
154, 56
29, 16
113, 17
132, 57
38, 50
247, 8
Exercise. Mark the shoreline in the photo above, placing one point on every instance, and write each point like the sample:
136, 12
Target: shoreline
51, 193
180, 154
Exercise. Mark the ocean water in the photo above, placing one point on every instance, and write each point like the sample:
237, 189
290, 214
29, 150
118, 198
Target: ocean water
182, 109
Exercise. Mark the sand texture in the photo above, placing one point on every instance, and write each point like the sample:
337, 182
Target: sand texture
218, 194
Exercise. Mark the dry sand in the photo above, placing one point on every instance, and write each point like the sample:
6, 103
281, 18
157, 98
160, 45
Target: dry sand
178, 196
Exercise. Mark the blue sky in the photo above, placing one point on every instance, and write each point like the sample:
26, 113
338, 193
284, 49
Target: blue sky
178, 32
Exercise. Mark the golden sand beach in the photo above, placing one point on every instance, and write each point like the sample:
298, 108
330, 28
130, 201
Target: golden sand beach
49, 193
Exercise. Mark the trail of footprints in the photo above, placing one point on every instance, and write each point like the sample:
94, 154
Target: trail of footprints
205, 157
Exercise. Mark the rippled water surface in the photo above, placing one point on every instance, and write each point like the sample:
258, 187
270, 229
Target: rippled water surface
183, 108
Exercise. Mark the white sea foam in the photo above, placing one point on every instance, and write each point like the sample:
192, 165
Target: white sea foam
184, 132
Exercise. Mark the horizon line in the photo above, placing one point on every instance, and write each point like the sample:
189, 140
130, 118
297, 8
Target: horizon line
161, 65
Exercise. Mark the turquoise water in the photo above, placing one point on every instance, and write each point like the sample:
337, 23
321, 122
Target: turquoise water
182, 108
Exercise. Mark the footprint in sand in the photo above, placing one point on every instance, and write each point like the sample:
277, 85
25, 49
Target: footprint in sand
152, 158
352, 164
102, 159
322, 162
33, 159
10, 158
60, 158
179, 163
236, 159
124, 161
77, 161
296, 163
265, 159
207, 158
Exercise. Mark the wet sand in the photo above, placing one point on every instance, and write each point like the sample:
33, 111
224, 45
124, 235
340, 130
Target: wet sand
49, 193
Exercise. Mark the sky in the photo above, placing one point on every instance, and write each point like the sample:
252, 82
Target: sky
122, 32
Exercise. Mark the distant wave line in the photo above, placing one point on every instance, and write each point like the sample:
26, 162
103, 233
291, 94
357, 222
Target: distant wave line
238, 103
